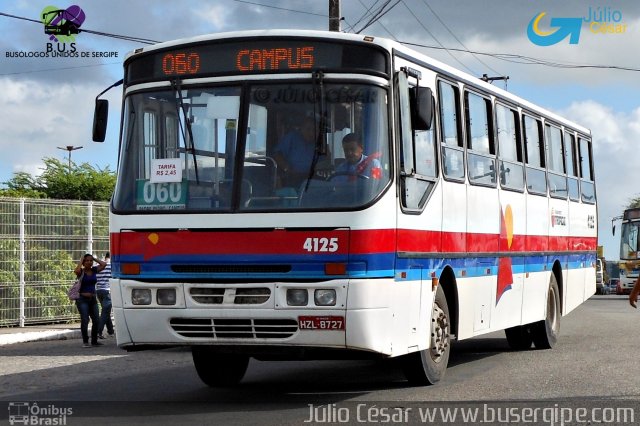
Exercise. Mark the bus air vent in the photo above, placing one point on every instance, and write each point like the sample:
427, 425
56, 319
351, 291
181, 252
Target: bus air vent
231, 269
234, 328
236, 296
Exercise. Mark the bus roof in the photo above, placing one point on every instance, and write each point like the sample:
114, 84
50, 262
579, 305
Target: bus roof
389, 45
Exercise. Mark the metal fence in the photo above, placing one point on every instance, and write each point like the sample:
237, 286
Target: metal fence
41, 242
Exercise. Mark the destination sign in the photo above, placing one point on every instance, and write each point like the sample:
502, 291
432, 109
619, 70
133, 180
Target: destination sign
255, 56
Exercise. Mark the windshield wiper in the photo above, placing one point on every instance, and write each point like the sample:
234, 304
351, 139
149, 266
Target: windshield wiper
321, 129
175, 84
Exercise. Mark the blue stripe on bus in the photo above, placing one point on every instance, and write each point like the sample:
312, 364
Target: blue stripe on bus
358, 266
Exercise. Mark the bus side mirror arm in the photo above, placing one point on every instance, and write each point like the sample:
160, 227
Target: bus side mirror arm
101, 114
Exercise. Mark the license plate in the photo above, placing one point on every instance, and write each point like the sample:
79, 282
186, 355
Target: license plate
321, 323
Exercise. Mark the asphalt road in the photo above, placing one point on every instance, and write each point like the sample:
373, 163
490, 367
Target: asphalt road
595, 364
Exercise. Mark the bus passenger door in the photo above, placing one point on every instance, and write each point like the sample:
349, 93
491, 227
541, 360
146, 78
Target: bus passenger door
420, 209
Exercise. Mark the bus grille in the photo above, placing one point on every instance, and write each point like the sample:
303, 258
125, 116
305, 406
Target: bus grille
232, 328
235, 296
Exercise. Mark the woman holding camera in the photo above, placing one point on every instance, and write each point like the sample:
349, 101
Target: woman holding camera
87, 304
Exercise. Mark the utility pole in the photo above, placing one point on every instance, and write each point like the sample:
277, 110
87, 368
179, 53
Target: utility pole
334, 15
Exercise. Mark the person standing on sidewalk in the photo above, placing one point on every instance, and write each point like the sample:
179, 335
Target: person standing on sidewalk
87, 304
633, 296
104, 297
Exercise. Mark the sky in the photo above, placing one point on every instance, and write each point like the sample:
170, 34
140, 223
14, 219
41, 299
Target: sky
47, 102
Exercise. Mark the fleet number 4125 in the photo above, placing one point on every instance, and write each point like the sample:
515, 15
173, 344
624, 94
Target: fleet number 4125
321, 244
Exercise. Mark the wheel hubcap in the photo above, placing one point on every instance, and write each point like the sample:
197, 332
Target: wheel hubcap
439, 333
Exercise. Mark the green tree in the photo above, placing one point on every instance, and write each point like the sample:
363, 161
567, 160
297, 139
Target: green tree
634, 203
59, 181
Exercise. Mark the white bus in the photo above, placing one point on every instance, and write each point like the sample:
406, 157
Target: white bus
629, 249
475, 210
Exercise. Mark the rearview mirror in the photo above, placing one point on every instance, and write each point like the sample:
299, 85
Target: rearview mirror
100, 115
421, 108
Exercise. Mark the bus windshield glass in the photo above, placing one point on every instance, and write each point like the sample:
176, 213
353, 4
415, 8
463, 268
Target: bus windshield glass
261, 147
629, 240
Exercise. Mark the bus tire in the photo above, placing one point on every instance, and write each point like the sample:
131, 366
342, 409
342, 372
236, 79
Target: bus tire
427, 367
519, 337
545, 332
217, 370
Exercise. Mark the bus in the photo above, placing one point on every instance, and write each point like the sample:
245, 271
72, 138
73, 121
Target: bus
629, 250
479, 215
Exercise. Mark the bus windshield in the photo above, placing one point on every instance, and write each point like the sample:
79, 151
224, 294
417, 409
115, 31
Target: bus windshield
261, 147
629, 240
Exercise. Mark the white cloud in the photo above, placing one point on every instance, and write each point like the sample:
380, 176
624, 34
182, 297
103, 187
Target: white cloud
615, 151
218, 15
38, 117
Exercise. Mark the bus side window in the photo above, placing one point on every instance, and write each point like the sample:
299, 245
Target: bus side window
572, 168
481, 153
555, 162
586, 172
534, 145
418, 154
509, 148
451, 131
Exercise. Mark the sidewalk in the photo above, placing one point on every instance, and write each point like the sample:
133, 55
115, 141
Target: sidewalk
33, 333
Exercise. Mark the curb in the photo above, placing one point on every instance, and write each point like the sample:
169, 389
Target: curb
37, 336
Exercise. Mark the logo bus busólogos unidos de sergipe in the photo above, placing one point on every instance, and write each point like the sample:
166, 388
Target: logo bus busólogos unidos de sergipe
62, 24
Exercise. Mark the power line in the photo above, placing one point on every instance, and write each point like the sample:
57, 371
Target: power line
368, 12
117, 36
525, 60
379, 14
60, 68
282, 8
437, 41
456, 38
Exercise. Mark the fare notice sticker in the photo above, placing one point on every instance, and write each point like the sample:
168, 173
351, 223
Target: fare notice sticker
321, 322
166, 170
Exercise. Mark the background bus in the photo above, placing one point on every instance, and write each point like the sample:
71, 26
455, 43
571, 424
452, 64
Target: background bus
480, 215
629, 250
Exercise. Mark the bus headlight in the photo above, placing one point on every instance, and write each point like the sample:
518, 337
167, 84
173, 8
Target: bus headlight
297, 297
325, 297
141, 296
166, 296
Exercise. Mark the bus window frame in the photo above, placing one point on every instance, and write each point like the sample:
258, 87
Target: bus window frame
551, 174
519, 148
461, 146
592, 181
401, 126
538, 120
574, 176
491, 154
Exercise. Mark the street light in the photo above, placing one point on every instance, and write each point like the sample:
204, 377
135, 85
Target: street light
69, 148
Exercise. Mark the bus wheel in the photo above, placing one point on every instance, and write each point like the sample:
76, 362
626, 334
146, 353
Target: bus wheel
427, 367
545, 332
519, 338
218, 370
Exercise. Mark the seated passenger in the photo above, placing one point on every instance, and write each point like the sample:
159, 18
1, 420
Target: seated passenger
356, 163
294, 154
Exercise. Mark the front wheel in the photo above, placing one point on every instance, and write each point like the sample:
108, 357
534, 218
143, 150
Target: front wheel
427, 367
545, 332
219, 370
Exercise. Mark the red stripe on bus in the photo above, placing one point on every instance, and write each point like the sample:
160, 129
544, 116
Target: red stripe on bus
153, 244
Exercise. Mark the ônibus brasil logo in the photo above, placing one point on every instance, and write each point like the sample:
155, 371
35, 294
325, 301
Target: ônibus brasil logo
62, 24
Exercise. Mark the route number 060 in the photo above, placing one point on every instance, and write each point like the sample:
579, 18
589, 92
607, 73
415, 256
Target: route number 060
162, 192
321, 244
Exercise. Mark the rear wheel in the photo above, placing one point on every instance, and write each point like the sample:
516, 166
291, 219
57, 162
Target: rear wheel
428, 366
519, 337
545, 332
217, 370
